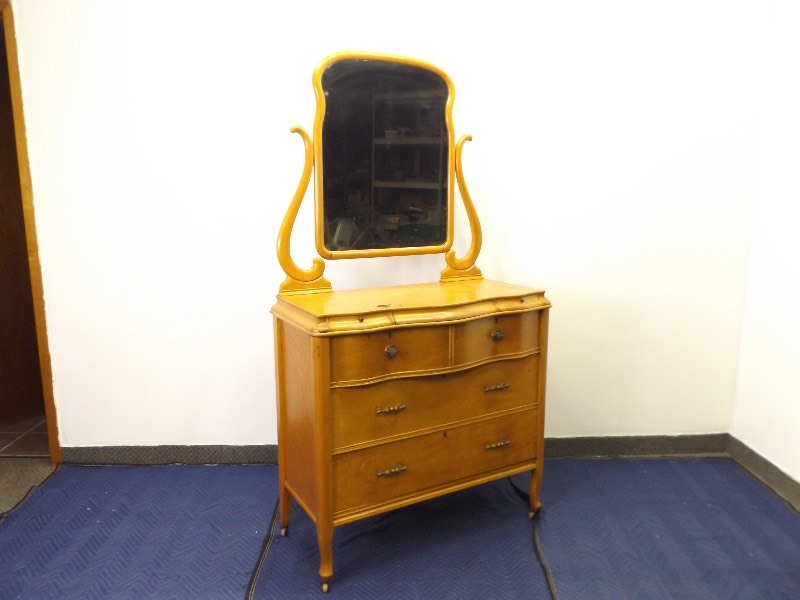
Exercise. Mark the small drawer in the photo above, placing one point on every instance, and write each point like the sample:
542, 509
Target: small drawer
484, 339
391, 471
362, 414
367, 356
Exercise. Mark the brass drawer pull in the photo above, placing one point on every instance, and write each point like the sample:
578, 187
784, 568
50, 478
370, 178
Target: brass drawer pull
391, 351
386, 410
498, 336
496, 388
496, 445
390, 472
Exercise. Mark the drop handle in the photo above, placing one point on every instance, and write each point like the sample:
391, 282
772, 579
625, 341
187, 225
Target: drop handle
498, 336
388, 410
391, 472
496, 388
497, 445
391, 351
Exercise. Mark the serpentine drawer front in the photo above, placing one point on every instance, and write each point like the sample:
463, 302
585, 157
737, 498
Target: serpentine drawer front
392, 396
394, 470
488, 338
366, 413
367, 356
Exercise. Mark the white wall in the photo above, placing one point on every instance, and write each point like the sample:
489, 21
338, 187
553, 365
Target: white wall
767, 410
615, 164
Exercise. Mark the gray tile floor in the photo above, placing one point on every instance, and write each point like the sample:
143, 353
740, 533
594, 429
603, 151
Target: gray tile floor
26, 438
24, 459
18, 476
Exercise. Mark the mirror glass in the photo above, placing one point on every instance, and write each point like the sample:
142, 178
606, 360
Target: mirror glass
384, 156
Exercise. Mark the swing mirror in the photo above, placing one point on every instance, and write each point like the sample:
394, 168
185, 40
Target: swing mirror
383, 157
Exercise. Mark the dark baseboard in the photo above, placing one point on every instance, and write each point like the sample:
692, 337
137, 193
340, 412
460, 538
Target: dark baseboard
767, 473
636, 445
167, 455
717, 444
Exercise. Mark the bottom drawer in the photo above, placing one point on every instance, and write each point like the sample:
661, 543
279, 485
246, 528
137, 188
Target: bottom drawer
381, 473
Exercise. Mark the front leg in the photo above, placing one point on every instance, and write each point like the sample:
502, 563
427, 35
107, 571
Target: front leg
536, 483
325, 543
285, 508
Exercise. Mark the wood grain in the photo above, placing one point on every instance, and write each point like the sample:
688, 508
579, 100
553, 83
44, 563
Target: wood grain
391, 396
37, 290
431, 460
429, 403
20, 377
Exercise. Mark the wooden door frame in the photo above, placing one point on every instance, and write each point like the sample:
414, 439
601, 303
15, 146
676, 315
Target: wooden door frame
34, 265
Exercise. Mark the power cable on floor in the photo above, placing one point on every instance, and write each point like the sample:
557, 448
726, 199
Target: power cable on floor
262, 557
537, 544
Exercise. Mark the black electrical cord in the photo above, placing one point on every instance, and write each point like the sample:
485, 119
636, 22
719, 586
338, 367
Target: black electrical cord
262, 557
3, 515
537, 544
270, 538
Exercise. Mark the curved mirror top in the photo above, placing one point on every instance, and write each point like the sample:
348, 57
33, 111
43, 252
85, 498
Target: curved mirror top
383, 159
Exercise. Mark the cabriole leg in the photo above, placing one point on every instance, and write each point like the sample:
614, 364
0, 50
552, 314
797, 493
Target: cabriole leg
536, 483
285, 509
325, 543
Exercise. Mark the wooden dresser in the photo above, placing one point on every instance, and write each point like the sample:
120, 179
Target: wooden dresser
390, 396
394, 395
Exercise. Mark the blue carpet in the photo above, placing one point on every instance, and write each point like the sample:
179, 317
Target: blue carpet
650, 529
667, 528
476, 543
137, 532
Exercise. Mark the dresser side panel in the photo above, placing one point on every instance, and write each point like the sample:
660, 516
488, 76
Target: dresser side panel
544, 324
299, 419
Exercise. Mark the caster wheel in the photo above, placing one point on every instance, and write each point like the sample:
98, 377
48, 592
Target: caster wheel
284, 531
325, 588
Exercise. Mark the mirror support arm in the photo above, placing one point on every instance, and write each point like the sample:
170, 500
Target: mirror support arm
299, 279
464, 267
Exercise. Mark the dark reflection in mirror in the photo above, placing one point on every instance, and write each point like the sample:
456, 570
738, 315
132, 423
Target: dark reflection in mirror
384, 155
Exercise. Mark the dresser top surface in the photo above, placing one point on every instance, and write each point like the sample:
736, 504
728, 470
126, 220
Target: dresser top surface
344, 311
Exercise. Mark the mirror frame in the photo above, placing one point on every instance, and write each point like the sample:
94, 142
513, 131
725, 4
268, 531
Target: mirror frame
319, 175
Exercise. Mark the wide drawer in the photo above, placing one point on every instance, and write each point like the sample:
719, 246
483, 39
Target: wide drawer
368, 356
379, 474
492, 337
403, 406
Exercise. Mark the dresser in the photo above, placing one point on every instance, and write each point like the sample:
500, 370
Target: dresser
391, 396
